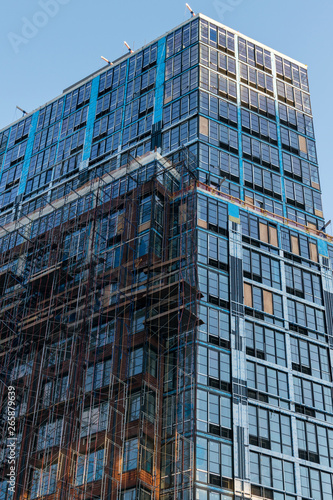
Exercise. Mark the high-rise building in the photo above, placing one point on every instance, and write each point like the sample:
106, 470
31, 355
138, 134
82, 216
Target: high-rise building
166, 310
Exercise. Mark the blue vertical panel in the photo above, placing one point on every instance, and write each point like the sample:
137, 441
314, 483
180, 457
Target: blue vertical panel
233, 210
240, 152
239, 117
28, 152
91, 118
160, 72
124, 107
5, 151
278, 126
322, 247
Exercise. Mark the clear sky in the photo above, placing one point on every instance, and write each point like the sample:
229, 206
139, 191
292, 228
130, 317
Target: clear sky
47, 45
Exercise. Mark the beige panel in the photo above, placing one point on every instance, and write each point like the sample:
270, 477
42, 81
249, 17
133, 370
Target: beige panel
312, 226
182, 213
273, 239
294, 245
106, 296
263, 233
268, 302
302, 144
144, 227
249, 200
247, 295
234, 219
203, 127
313, 252
315, 185
121, 223
319, 213
202, 223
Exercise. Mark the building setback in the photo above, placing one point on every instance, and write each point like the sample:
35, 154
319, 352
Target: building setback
166, 287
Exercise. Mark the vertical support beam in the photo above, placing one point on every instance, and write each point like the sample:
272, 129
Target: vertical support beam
294, 436
242, 486
327, 282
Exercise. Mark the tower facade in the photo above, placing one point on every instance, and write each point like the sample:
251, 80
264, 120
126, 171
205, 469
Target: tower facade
166, 283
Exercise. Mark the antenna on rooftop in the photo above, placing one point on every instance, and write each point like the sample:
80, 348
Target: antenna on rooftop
107, 61
129, 48
20, 109
189, 8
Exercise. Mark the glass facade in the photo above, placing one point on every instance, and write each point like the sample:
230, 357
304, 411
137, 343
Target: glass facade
255, 411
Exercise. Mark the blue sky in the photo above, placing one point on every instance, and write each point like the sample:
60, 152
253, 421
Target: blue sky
47, 45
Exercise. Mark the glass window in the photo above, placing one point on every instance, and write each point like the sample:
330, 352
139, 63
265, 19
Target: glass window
130, 455
129, 495
44, 481
94, 419
136, 361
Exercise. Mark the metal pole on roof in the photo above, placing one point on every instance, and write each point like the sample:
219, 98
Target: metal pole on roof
189, 8
129, 48
107, 61
325, 226
20, 109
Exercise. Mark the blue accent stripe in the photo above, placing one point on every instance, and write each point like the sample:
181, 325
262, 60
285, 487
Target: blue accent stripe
278, 129
91, 119
239, 124
240, 150
160, 72
121, 132
278, 126
28, 153
2, 161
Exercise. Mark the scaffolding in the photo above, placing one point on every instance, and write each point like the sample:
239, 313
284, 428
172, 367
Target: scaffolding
98, 317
